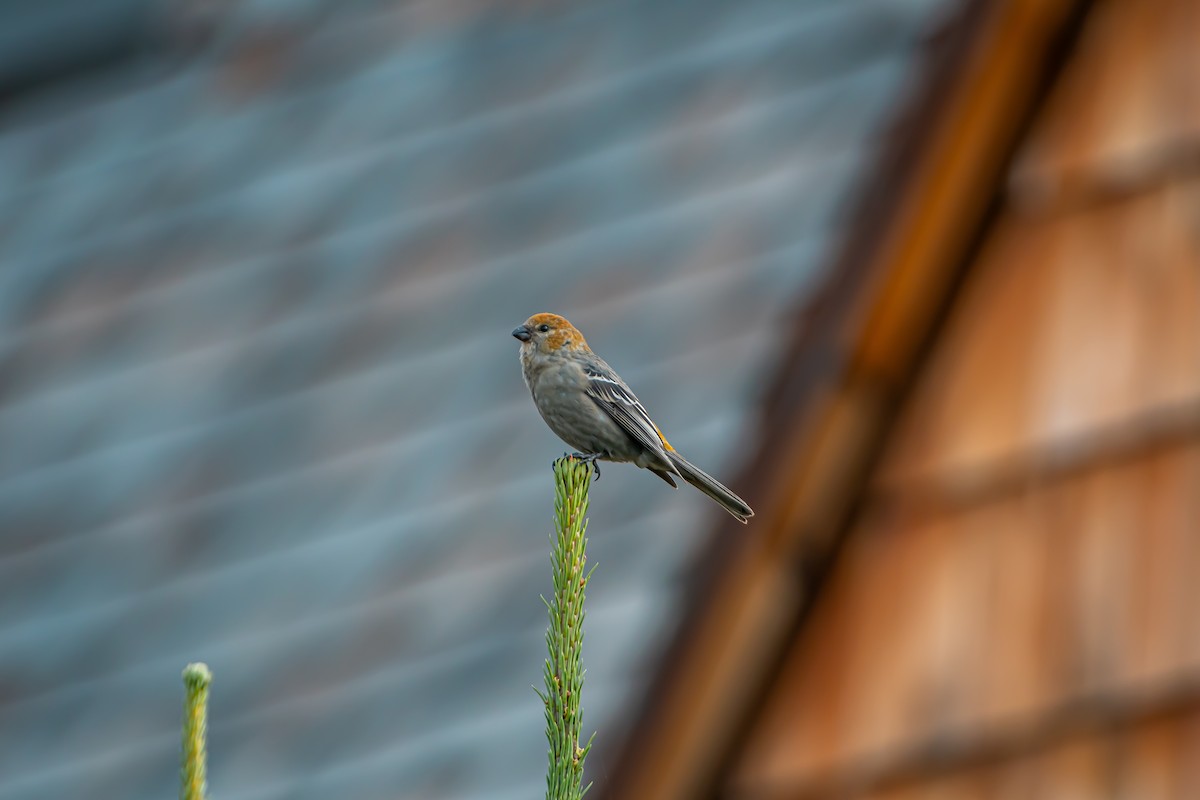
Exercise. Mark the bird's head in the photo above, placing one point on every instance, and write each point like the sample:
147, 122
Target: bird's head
548, 333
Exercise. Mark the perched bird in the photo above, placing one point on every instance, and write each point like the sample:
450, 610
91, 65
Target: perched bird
590, 408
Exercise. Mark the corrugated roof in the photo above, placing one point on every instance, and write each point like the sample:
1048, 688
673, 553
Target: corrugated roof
258, 402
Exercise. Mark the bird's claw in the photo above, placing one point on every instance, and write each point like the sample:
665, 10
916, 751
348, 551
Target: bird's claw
589, 458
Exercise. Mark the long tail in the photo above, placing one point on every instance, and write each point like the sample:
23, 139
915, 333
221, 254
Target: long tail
711, 487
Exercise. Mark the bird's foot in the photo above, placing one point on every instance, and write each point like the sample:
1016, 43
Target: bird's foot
590, 458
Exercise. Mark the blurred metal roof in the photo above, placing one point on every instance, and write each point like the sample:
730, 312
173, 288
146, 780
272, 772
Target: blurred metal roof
258, 402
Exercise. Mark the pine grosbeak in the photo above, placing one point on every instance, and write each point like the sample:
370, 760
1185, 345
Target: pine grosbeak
590, 408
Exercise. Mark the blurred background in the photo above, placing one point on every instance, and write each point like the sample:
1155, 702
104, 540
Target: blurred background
259, 405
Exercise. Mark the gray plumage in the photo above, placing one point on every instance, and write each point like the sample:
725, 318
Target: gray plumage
588, 406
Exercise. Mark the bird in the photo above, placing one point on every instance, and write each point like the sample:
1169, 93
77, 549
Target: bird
588, 406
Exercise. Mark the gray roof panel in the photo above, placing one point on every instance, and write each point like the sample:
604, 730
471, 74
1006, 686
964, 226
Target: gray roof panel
258, 402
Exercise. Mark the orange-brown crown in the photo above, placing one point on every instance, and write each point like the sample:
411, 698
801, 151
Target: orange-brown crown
560, 333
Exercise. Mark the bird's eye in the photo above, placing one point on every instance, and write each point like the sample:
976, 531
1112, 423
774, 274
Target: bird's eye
543, 328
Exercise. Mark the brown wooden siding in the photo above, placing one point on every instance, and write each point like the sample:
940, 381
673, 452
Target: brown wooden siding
987, 629
1126, 114
1017, 611
1078, 333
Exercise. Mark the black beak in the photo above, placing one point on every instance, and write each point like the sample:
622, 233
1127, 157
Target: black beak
522, 333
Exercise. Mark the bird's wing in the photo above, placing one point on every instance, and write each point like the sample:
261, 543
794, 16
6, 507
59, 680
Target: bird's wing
617, 400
